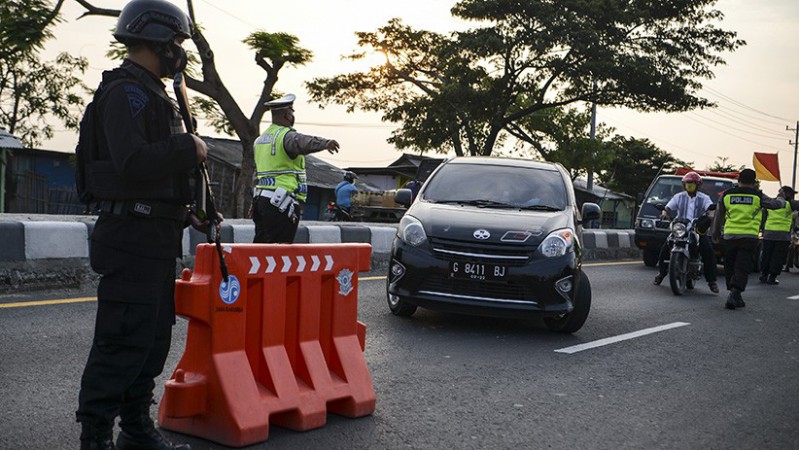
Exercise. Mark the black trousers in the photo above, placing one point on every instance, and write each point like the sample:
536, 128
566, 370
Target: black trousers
774, 254
271, 225
705, 251
738, 261
132, 332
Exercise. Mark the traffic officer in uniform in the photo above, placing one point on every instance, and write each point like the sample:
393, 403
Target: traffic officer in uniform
738, 216
777, 237
281, 187
141, 180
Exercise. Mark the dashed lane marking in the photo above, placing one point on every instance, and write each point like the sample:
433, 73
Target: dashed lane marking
619, 338
48, 302
793, 297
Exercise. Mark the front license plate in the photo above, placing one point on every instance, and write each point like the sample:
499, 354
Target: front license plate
476, 271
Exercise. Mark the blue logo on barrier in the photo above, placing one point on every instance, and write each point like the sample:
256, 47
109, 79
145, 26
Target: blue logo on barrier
229, 292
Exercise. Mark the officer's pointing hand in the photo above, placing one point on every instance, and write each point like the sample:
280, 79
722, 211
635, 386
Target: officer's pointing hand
332, 146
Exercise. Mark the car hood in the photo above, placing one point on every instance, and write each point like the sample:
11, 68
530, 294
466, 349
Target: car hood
462, 222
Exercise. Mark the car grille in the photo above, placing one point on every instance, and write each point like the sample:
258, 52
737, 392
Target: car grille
508, 255
474, 288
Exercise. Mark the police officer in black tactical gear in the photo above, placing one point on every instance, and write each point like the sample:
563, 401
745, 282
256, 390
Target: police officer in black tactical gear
141, 178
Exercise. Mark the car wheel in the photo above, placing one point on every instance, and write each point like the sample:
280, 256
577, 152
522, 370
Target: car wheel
573, 321
398, 306
651, 257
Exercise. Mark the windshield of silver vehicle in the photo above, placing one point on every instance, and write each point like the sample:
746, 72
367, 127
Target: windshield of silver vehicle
497, 187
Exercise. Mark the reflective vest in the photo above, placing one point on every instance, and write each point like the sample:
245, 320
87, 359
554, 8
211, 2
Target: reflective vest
275, 168
779, 219
743, 214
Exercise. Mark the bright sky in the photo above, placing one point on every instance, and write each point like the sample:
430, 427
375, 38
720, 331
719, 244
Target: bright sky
757, 91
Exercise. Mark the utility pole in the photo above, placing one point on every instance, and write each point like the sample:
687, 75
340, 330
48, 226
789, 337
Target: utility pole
795, 144
590, 182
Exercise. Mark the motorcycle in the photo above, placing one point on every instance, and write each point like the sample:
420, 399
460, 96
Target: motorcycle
338, 214
685, 264
793, 251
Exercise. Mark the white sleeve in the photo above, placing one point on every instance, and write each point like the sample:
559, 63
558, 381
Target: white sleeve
672, 204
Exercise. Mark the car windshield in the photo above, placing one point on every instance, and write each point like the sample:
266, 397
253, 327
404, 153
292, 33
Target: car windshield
665, 188
491, 186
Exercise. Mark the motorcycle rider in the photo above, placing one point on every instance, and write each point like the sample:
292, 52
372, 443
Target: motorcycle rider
344, 192
690, 204
777, 236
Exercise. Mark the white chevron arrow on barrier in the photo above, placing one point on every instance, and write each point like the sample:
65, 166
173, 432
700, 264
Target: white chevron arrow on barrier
255, 264
315, 264
286, 264
270, 260
329, 260
301, 262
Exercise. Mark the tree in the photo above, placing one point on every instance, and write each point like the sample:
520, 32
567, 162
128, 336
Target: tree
272, 51
33, 91
470, 89
635, 164
721, 165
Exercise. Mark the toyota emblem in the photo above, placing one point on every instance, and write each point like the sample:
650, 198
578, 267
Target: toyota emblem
481, 234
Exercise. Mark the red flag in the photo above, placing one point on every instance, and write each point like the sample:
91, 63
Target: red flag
767, 166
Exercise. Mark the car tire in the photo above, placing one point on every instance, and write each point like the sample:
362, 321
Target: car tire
573, 321
651, 257
399, 307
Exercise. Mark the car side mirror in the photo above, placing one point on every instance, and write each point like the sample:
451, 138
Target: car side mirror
660, 206
640, 197
591, 211
712, 207
403, 197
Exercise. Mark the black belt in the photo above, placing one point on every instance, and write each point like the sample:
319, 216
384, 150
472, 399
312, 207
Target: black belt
144, 208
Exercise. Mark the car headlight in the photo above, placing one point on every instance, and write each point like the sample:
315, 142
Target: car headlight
411, 231
678, 229
558, 243
647, 224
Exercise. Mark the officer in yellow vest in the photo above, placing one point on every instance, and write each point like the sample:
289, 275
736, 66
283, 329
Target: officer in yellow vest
739, 214
281, 188
777, 237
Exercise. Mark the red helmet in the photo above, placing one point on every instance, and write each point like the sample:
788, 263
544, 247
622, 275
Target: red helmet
692, 177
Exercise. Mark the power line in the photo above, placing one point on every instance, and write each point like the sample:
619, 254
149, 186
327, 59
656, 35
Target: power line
738, 129
231, 15
728, 133
742, 105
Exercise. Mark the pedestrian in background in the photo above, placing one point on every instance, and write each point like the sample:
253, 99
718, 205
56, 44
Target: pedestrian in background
739, 215
777, 237
141, 177
281, 187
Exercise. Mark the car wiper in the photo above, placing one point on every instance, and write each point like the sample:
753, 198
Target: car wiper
541, 208
484, 203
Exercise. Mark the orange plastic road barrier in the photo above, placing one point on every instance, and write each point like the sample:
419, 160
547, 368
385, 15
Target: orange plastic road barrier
278, 343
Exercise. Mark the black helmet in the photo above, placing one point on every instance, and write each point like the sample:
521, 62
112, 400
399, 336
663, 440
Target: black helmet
156, 21
349, 177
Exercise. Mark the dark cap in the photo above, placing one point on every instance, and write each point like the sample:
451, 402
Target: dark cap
747, 176
788, 190
281, 103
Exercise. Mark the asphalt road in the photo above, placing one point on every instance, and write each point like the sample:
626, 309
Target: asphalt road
710, 379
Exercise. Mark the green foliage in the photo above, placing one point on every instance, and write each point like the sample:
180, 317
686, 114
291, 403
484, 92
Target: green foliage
466, 90
278, 48
721, 165
32, 91
634, 165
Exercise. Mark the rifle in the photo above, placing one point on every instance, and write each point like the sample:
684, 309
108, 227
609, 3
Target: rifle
206, 208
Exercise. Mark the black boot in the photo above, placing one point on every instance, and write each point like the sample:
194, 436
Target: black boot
772, 279
763, 278
138, 430
97, 434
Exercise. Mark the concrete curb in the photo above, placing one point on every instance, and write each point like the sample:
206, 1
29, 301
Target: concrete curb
42, 252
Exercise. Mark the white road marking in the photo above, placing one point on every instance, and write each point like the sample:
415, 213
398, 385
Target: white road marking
621, 337
793, 297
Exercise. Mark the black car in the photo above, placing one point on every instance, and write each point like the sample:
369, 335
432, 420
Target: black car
493, 237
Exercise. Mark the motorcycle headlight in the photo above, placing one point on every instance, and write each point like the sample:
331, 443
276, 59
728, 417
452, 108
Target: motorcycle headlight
411, 231
678, 229
647, 224
558, 243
